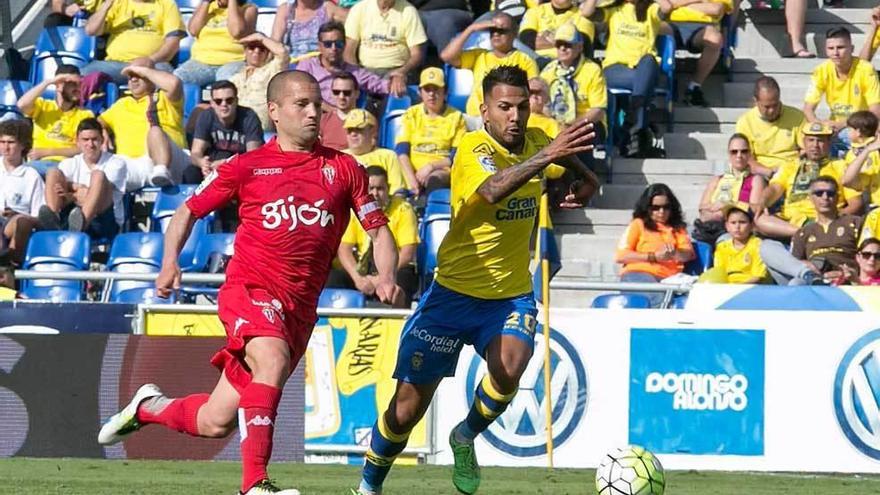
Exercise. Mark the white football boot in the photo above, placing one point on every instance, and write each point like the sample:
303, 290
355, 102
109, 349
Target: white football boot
125, 421
267, 487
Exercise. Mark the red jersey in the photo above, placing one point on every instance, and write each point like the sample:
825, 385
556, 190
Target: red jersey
293, 209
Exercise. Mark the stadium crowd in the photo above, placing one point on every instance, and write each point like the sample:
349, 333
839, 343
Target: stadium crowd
792, 178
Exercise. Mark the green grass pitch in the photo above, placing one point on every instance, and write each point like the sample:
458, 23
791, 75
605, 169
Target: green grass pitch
103, 477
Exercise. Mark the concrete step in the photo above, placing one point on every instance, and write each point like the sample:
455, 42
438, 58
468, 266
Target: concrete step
855, 16
712, 115
717, 128
740, 94
765, 40
623, 197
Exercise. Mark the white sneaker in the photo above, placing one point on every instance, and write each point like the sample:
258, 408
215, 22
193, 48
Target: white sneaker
160, 177
125, 421
266, 487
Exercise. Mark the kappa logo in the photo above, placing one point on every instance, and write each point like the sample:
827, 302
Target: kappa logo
519, 431
260, 421
268, 171
238, 323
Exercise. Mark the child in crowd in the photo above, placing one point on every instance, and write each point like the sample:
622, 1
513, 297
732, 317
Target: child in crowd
863, 159
737, 258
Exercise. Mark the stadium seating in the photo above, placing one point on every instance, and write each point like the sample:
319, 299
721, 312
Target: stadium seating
207, 245
621, 301
459, 86
185, 50
192, 96
141, 295
437, 204
188, 252
704, 259
56, 251
10, 92
432, 231
133, 252
389, 128
188, 6
341, 299
66, 41
167, 202
678, 302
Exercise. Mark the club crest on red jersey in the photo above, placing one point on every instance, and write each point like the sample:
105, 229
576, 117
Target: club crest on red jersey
329, 173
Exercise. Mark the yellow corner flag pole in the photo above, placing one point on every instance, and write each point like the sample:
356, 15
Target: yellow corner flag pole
545, 293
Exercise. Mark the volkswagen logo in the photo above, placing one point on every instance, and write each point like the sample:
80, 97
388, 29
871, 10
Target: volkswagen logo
856, 388
520, 430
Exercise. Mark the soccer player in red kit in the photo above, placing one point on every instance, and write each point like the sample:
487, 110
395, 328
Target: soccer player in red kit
295, 197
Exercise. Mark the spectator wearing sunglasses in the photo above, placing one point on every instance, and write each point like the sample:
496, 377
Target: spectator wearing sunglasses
655, 245
868, 259
227, 130
345, 92
819, 250
329, 62
263, 57
791, 184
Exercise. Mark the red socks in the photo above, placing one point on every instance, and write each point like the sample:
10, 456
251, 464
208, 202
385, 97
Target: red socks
256, 424
177, 414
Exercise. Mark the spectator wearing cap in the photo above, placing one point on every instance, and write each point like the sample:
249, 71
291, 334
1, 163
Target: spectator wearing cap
345, 92
386, 37
147, 127
848, 85
791, 183
217, 25
21, 191
577, 86
863, 159
819, 250
429, 136
263, 57
502, 34
539, 99
631, 61
772, 129
697, 29
354, 253
55, 121
84, 194
298, 22
737, 259
736, 185
135, 29
329, 62
361, 129
540, 23
227, 130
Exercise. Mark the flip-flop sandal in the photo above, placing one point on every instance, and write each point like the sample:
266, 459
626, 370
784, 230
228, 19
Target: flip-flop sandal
802, 53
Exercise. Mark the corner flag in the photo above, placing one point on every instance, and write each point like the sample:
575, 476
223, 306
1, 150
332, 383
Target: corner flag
546, 249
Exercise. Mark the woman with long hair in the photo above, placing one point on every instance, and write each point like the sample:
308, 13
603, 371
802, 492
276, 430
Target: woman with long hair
631, 60
655, 245
868, 259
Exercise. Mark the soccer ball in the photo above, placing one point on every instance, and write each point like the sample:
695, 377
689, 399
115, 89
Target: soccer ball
631, 470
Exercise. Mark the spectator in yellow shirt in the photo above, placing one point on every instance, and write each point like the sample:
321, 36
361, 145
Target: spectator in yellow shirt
738, 260
697, 28
872, 36
538, 27
772, 129
54, 121
386, 37
848, 84
217, 25
539, 98
791, 183
147, 126
430, 135
863, 159
135, 29
502, 34
354, 250
361, 128
264, 57
631, 61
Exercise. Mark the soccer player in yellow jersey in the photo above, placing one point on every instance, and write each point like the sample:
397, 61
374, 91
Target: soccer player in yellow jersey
792, 184
482, 294
848, 84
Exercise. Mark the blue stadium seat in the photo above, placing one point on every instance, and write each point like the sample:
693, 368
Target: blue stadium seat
478, 40
10, 91
208, 244
265, 20
267, 5
133, 252
68, 41
341, 298
395, 102
621, 301
185, 50
705, 253
188, 251
439, 196
437, 204
167, 201
678, 302
432, 231
56, 251
390, 128
141, 295
187, 6
459, 86
728, 25
192, 96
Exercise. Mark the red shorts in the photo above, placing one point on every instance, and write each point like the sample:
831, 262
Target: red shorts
248, 312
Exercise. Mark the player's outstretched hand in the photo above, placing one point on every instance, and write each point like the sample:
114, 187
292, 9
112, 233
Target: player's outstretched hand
577, 138
387, 291
168, 281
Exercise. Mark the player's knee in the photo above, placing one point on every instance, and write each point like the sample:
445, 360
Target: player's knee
216, 430
269, 364
712, 39
507, 375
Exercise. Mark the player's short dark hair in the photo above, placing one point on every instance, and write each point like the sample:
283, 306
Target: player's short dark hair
89, 124
766, 83
838, 32
863, 121
21, 130
278, 80
374, 171
825, 179
330, 26
223, 84
505, 74
345, 76
67, 69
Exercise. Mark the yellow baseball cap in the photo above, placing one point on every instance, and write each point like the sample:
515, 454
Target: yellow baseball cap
432, 76
359, 119
816, 129
567, 33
